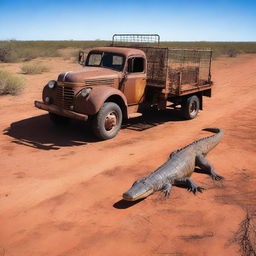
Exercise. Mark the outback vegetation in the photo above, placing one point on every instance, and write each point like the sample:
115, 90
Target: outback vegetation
10, 84
246, 236
33, 68
15, 51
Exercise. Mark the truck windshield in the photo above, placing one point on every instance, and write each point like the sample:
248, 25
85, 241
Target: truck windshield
106, 60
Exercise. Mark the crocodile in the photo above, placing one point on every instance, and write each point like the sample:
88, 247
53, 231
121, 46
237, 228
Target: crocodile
178, 169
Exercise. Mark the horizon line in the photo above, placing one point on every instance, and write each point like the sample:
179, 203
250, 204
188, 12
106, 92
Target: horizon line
103, 40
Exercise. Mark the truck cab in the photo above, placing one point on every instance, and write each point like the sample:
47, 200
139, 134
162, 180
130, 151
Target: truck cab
115, 81
128, 67
110, 76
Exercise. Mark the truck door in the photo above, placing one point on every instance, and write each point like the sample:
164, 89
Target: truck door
135, 83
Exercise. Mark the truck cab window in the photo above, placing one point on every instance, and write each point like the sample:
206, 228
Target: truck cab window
136, 65
94, 59
106, 60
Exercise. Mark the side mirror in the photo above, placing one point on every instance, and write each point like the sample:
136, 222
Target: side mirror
81, 59
125, 76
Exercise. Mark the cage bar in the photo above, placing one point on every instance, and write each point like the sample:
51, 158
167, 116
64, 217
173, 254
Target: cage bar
124, 39
188, 69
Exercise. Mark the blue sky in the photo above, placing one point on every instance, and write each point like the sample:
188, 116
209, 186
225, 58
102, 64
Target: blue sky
174, 20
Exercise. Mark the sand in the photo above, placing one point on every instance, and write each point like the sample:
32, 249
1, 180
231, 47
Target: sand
60, 189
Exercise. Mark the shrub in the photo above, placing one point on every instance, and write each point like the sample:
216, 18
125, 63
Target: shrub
7, 53
15, 51
33, 68
27, 54
12, 57
10, 84
232, 52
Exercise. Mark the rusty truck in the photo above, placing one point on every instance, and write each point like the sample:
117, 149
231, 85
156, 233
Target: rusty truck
131, 75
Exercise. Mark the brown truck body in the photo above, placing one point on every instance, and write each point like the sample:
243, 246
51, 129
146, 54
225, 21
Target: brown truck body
134, 77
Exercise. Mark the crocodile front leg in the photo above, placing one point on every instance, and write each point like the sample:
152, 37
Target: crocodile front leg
166, 189
205, 165
190, 184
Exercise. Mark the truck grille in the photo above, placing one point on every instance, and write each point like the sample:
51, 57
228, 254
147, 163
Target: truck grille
64, 97
106, 81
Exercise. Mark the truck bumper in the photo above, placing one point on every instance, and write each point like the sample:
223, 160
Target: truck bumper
60, 111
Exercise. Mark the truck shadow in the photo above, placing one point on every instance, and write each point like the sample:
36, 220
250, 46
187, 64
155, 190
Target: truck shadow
152, 119
38, 132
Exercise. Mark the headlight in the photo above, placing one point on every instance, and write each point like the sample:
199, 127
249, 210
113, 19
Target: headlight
51, 84
85, 92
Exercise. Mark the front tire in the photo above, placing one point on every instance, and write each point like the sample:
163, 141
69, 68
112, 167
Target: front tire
107, 123
190, 107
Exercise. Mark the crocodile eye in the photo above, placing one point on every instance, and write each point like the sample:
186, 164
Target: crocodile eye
135, 183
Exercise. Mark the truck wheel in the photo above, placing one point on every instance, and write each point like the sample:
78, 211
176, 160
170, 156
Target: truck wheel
190, 107
107, 122
58, 120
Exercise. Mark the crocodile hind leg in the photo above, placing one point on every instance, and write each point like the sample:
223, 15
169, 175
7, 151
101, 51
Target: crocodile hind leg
190, 184
205, 165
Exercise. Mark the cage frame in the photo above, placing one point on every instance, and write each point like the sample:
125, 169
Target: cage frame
136, 39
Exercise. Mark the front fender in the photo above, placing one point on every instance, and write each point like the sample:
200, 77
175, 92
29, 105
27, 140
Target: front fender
98, 95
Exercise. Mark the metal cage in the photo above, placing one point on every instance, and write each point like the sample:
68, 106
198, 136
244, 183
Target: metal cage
178, 70
188, 69
138, 39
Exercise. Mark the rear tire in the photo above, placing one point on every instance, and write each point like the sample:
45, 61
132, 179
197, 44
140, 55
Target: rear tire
190, 107
58, 120
107, 123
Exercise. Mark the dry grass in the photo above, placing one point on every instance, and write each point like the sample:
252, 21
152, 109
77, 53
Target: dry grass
14, 51
246, 236
33, 68
10, 84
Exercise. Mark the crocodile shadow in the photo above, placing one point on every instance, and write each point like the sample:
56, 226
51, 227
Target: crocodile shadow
123, 204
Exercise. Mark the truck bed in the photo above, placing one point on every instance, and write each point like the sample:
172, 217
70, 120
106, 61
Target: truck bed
186, 80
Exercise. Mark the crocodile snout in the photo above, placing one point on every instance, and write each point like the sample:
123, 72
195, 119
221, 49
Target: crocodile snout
127, 196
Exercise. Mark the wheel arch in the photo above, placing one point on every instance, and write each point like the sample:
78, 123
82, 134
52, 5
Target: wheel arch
120, 102
102, 94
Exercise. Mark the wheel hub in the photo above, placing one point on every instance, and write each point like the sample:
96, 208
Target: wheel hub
110, 121
193, 107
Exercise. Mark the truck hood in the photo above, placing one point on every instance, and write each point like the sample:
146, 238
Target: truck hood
90, 76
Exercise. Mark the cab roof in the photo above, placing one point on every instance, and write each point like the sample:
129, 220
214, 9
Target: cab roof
120, 50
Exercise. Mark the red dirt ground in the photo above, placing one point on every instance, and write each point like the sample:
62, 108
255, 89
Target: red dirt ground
60, 189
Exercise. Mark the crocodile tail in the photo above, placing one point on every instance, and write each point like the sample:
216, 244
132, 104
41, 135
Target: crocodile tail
210, 142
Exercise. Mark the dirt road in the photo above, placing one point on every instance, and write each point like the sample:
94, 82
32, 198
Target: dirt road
60, 189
